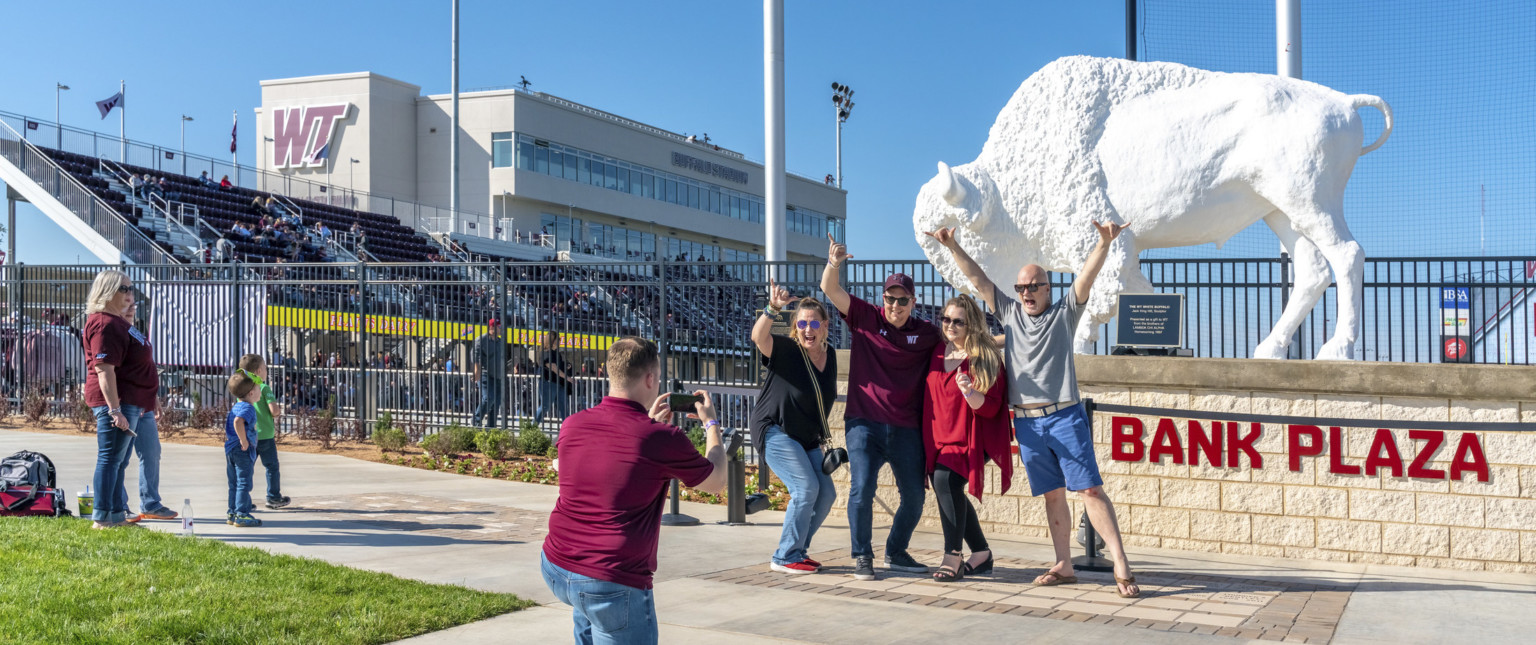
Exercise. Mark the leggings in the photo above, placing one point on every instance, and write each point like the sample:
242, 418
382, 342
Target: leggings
956, 515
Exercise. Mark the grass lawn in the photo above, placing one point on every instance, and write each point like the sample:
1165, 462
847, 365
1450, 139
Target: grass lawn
62, 582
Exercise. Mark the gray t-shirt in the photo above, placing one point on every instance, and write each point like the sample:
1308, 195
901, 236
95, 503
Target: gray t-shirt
1038, 349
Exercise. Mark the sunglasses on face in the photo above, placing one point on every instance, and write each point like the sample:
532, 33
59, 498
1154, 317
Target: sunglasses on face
125, 289
1030, 288
946, 320
812, 324
899, 302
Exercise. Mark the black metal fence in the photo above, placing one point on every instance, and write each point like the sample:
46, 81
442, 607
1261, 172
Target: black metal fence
403, 338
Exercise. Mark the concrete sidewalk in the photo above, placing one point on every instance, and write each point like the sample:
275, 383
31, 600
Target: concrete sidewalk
713, 585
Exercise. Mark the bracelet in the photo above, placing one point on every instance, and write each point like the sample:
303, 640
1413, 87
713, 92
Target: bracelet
114, 410
711, 423
771, 311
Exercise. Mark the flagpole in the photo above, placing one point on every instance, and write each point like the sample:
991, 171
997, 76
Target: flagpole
122, 121
234, 157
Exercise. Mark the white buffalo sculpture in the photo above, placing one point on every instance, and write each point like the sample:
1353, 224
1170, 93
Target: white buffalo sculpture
1183, 156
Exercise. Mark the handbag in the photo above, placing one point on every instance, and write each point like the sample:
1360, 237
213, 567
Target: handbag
832, 458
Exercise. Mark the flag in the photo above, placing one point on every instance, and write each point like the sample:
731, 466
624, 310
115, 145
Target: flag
106, 105
323, 153
232, 131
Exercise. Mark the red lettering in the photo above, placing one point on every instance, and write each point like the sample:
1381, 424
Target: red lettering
1210, 445
1432, 440
1336, 463
1469, 457
1127, 431
1166, 442
1236, 444
1374, 459
1297, 450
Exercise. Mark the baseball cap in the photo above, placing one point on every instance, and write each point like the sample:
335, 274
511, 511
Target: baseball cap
900, 280
492, 322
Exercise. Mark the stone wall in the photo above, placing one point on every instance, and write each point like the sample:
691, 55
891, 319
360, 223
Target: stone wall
1314, 512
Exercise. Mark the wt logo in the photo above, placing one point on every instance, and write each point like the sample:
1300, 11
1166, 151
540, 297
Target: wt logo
301, 136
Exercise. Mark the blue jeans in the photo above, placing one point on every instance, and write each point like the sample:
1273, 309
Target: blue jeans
551, 399
147, 445
267, 450
870, 446
811, 492
490, 402
240, 468
112, 449
604, 612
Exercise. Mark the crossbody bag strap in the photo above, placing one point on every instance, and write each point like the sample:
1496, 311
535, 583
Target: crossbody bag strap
826, 433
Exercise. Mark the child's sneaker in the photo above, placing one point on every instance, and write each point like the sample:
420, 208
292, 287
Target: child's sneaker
278, 502
229, 518
244, 520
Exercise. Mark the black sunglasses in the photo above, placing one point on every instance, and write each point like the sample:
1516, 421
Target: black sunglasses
813, 324
1030, 288
899, 302
946, 320
124, 289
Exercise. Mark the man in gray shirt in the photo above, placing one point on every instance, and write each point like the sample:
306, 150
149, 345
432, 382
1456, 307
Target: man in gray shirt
1055, 441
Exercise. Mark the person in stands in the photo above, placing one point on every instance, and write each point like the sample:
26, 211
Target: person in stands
965, 425
224, 184
789, 421
616, 461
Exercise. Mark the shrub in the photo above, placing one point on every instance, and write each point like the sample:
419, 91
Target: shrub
552, 453
80, 413
532, 440
34, 406
460, 438
6, 409
388, 439
170, 422
696, 435
496, 444
436, 444
385, 421
205, 417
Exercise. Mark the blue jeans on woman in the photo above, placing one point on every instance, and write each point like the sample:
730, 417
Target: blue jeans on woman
112, 449
551, 399
605, 613
870, 446
811, 492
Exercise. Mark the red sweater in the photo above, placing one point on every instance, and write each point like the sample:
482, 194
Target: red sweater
961, 438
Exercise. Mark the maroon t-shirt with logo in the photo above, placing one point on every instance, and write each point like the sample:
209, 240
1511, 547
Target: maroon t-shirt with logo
615, 464
111, 340
888, 366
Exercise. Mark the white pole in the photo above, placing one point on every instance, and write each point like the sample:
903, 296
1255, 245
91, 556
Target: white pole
122, 122
773, 113
1288, 38
57, 125
183, 144
234, 155
453, 131
838, 113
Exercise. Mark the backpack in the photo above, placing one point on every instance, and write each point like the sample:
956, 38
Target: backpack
26, 470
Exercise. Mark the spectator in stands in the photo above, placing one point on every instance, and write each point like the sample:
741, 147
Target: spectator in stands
789, 421
490, 361
258, 207
273, 207
617, 460
225, 250
151, 187
555, 380
135, 185
204, 180
224, 183
121, 391
165, 189
322, 231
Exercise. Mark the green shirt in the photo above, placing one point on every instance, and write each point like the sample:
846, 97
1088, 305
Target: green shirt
265, 428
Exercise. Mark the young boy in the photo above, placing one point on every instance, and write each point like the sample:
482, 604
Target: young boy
267, 409
240, 448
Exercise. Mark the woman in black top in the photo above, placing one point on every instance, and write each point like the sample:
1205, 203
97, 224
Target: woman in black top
789, 421
554, 381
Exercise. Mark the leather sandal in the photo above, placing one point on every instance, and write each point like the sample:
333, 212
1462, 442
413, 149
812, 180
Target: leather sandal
983, 568
1126, 581
1056, 579
946, 574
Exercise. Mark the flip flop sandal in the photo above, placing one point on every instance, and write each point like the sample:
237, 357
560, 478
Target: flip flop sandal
1056, 579
1126, 581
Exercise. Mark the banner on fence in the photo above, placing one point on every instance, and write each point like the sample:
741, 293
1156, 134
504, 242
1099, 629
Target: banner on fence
296, 318
190, 324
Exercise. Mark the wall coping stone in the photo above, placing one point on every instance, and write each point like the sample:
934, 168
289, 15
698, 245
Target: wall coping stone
1425, 380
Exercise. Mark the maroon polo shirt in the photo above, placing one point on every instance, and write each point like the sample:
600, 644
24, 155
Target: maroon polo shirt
615, 464
108, 339
888, 366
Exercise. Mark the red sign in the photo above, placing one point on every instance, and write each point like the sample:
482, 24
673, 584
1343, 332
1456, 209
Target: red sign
1455, 349
1224, 445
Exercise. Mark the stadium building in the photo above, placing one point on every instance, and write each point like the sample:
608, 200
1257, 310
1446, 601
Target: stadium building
539, 175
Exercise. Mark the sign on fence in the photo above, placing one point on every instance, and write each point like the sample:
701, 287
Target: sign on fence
190, 324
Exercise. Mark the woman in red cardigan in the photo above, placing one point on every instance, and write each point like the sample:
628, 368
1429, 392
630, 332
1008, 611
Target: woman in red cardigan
965, 423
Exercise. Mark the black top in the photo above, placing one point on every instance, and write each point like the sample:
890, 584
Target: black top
490, 352
550, 357
787, 399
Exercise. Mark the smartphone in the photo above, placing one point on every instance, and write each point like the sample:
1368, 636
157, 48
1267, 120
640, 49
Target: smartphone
130, 432
683, 403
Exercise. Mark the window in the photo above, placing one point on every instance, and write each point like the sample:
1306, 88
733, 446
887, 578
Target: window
693, 196
525, 154
610, 176
584, 171
501, 149
541, 159
570, 165
623, 180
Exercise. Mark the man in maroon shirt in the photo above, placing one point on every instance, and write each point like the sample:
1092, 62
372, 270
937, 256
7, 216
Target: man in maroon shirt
616, 461
883, 421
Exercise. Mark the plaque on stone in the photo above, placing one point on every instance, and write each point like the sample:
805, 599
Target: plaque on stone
1151, 320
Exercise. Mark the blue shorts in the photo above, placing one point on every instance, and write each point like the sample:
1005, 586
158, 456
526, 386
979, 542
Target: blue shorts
1057, 451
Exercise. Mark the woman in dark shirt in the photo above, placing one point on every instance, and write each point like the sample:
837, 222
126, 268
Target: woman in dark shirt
555, 380
789, 422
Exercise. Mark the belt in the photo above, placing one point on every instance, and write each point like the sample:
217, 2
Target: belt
1040, 412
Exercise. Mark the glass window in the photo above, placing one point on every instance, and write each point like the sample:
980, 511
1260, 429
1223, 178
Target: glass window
556, 163
610, 176
693, 196
525, 155
623, 180
671, 191
501, 149
584, 170
570, 165
598, 168
541, 159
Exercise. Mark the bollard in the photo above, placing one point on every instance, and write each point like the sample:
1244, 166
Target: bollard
675, 517
735, 490
1091, 560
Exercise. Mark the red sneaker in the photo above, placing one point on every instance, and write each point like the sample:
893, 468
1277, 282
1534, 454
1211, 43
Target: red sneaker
794, 568
812, 563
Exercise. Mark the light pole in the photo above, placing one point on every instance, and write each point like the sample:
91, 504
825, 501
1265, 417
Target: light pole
842, 106
184, 120
350, 176
261, 171
57, 126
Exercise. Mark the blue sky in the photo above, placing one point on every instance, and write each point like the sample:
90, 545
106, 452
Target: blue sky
929, 79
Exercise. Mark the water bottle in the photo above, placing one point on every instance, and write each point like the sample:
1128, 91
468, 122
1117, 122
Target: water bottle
186, 518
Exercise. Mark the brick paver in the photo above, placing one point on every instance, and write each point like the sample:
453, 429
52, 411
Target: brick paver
1201, 604
425, 515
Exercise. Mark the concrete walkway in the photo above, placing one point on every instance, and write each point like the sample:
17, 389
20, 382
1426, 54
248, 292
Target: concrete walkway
713, 585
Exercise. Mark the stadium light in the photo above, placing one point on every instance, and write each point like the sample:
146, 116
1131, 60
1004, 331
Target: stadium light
57, 125
842, 107
184, 120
